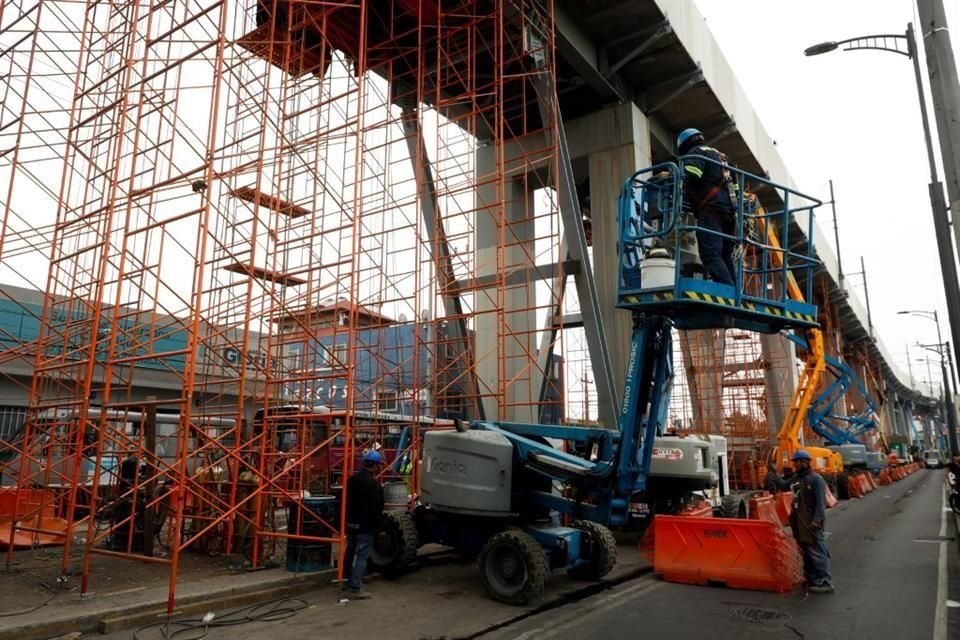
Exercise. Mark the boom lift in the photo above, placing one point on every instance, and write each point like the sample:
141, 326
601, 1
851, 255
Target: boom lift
826, 462
842, 432
528, 507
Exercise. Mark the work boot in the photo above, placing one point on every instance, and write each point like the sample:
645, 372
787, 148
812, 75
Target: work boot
824, 587
360, 594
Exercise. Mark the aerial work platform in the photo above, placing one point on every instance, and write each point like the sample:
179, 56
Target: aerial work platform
661, 272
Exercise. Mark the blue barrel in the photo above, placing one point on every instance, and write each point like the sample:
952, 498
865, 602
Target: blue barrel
308, 555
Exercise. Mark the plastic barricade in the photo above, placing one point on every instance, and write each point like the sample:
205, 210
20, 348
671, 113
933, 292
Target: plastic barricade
855, 488
698, 510
783, 503
764, 507
831, 499
884, 478
741, 554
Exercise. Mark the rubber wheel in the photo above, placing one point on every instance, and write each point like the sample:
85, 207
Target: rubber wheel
601, 551
733, 506
395, 545
843, 486
513, 567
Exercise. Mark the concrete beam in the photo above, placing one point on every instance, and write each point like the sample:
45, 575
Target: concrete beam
583, 54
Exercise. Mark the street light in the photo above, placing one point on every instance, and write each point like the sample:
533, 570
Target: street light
936, 319
906, 45
943, 350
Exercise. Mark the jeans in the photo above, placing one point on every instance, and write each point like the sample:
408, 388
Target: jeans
716, 252
358, 548
816, 561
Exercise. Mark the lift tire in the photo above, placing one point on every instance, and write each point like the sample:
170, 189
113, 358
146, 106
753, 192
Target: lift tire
843, 486
733, 506
602, 550
513, 567
395, 545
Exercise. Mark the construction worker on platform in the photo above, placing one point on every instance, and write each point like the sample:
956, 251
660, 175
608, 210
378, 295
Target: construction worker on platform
709, 194
364, 515
807, 520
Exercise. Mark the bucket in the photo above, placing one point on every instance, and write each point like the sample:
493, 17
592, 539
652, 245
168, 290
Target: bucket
657, 273
395, 496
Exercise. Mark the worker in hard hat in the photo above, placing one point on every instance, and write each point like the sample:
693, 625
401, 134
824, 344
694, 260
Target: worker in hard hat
709, 194
364, 515
808, 520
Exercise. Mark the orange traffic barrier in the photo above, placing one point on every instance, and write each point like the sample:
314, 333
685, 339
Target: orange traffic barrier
871, 480
856, 490
763, 506
698, 510
741, 554
783, 503
884, 478
865, 483
831, 499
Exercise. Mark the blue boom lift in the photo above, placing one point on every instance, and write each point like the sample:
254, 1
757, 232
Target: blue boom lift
502, 490
841, 431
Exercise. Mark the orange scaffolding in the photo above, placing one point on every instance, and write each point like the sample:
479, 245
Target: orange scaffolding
281, 232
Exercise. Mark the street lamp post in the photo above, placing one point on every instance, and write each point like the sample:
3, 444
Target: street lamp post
894, 43
866, 294
943, 350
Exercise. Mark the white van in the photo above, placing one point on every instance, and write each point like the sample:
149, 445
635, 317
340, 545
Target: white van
931, 459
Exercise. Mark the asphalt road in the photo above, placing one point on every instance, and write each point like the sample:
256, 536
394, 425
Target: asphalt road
886, 556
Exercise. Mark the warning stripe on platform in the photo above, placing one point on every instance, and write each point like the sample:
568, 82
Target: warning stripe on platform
730, 302
667, 296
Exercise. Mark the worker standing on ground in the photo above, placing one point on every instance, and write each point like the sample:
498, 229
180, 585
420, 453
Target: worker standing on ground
707, 189
808, 519
364, 514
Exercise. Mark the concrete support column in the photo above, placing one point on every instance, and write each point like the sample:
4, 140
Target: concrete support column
619, 141
781, 377
506, 345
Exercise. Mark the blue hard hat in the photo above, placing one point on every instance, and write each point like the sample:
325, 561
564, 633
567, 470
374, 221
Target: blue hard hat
373, 456
686, 134
801, 455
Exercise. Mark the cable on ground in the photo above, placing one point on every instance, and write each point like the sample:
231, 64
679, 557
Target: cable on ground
270, 611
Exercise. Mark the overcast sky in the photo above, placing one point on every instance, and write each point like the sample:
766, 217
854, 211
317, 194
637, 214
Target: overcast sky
853, 117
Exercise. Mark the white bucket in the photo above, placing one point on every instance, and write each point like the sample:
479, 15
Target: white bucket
657, 273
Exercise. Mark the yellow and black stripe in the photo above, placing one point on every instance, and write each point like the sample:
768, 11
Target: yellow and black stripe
667, 296
749, 306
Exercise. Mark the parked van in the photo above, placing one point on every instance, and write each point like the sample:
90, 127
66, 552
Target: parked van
931, 459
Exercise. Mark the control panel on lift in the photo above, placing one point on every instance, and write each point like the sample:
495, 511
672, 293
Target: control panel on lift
660, 268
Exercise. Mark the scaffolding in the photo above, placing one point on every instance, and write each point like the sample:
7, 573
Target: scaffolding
280, 232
